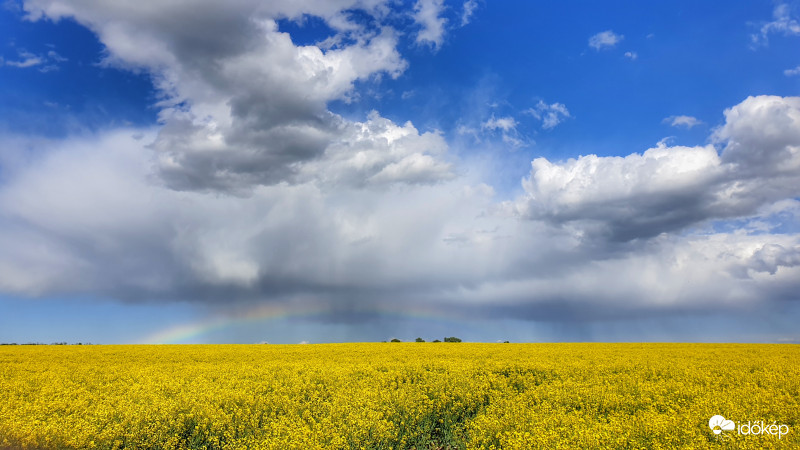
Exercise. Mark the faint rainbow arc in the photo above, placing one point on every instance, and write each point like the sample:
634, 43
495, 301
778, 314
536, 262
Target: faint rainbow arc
181, 332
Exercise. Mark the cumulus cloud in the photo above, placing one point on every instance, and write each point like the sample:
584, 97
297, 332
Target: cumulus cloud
427, 13
792, 72
682, 121
378, 151
666, 189
242, 105
632, 55
640, 195
760, 139
605, 40
550, 115
783, 23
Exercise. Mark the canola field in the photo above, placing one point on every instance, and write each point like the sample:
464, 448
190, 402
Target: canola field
400, 395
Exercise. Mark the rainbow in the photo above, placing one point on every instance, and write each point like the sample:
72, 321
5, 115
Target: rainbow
274, 311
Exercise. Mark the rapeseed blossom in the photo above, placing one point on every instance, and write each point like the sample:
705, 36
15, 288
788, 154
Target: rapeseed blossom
410, 395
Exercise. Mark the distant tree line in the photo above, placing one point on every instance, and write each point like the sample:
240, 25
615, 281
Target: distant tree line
446, 339
419, 339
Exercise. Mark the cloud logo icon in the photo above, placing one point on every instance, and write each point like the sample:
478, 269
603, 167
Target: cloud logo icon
718, 424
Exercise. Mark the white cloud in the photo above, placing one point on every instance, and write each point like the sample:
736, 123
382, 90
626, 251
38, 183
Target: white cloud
669, 188
671, 274
605, 39
792, 72
469, 9
414, 168
632, 55
465, 130
620, 197
26, 59
45, 62
682, 121
55, 57
503, 123
427, 13
377, 152
783, 23
550, 115
761, 138
507, 126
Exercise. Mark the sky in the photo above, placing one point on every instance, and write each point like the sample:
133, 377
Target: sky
287, 171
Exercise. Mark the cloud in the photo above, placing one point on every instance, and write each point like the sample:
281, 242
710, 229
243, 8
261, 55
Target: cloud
45, 62
112, 231
667, 189
503, 123
427, 13
632, 55
682, 121
379, 152
792, 72
26, 59
465, 130
770, 257
760, 138
622, 198
605, 40
85, 216
357, 216
507, 126
550, 115
249, 108
469, 9
783, 23
54, 56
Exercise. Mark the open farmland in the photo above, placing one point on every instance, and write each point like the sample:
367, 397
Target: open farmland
388, 395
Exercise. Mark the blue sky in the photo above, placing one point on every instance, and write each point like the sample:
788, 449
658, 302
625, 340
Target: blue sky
319, 171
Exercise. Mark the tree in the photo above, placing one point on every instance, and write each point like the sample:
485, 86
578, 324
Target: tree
396, 340
436, 340
452, 339
420, 340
